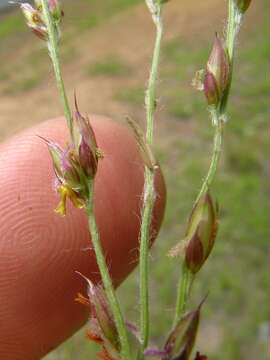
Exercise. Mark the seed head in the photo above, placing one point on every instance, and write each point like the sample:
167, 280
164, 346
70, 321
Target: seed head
181, 340
85, 143
102, 328
211, 89
35, 19
201, 233
217, 76
76, 165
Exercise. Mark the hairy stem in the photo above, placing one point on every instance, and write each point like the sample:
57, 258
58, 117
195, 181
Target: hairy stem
149, 188
105, 275
54, 54
149, 198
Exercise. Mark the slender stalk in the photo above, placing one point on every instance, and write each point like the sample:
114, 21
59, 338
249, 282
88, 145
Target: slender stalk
217, 148
184, 288
54, 54
149, 188
217, 116
151, 89
106, 279
149, 198
233, 26
186, 277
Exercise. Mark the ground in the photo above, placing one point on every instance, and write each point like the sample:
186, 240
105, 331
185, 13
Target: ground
106, 54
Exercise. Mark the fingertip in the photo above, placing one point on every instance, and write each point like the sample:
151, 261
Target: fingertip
41, 251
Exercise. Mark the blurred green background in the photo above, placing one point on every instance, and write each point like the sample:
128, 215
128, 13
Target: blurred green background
106, 53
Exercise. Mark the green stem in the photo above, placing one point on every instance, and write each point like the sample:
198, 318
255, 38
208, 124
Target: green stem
217, 116
186, 277
217, 148
184, 288
233, 27
106, 279
150, 99
149, 187
54, 54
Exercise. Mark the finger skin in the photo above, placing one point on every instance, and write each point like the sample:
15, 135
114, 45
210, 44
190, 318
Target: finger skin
40, 251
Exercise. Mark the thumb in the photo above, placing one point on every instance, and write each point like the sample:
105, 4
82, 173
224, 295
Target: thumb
40, 251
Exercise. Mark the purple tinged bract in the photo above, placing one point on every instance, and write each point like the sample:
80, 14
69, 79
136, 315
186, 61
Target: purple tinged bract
76, 165
85, 143
35, 19
201, 232
217, 76
181, 340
